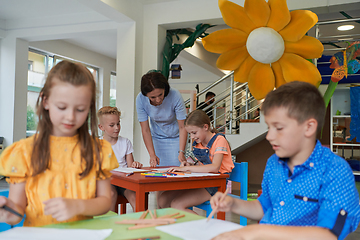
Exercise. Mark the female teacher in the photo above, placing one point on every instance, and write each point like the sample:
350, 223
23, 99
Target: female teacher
165, 136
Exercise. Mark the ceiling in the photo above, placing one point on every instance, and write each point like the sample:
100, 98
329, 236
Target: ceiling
17, 14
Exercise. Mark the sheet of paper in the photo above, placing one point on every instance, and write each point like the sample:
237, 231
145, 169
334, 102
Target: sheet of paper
129, 170
34, 233
199, 229
160, 169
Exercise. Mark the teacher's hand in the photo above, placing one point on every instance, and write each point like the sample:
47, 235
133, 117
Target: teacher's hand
182, 158
154, 160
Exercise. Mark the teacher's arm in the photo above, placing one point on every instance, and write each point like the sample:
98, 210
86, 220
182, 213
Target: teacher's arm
145, 130
182, 141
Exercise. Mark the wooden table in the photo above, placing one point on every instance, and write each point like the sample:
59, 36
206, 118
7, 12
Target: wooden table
141, 184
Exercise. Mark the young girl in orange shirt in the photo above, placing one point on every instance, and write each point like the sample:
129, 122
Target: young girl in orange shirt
213, 154
62, 173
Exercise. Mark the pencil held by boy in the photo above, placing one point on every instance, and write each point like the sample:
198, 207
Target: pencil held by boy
308, 191
62, 173
109, 123
213, 154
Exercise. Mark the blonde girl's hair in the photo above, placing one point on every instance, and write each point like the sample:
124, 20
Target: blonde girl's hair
77, 75
199, 118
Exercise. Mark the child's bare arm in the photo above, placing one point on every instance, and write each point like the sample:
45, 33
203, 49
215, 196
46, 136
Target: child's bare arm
131, 163
16, 201
273, 232
64, 208
248, 209
129, 159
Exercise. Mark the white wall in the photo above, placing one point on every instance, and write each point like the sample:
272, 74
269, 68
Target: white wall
13, 89
191, 75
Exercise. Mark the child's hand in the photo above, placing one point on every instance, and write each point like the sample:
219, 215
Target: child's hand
6, 216
176, 169
233, 235
246, 233
223, 206
136, 164
62, 208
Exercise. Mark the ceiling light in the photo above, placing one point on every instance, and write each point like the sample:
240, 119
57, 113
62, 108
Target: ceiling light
345, 39
345, 27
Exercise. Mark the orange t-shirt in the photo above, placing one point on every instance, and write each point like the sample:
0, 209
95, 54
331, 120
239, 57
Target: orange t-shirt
220, 145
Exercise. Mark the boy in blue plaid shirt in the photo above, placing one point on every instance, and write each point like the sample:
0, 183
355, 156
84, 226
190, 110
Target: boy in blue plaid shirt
308, 191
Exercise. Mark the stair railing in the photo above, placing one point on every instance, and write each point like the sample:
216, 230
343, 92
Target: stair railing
231, 105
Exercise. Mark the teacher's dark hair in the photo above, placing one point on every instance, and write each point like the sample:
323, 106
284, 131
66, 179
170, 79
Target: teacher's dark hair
153, 80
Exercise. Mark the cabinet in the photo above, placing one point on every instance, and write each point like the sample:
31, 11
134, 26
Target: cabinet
340, 125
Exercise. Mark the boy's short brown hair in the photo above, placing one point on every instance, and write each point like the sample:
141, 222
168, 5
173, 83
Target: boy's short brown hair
108, 110
302, 100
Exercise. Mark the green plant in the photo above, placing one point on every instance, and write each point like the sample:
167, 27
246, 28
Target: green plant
30, 119
112, 102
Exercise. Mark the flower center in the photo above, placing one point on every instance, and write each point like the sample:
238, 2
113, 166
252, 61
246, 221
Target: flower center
265, 45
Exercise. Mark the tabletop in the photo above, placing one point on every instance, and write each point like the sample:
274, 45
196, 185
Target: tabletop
120, 231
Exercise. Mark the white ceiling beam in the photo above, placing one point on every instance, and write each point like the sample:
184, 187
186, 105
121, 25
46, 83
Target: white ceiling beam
51, 21
106, 10
62, 32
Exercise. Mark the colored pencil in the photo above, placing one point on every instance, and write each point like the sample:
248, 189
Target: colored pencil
145, 238
143, 216
147, 221
12, 211
151, 215
146, 226
169, 215
180, 216
216, 208
155, 176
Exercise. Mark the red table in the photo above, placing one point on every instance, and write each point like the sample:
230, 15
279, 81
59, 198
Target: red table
141, 184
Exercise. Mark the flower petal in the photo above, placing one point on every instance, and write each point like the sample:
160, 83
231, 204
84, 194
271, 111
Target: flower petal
301, 22
242, 73
232, 59
224, 40
307, 47
261, 80
296, 68
235, 16
279, 77
258, 11
279, 16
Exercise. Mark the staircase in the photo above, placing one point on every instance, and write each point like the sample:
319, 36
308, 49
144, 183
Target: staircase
234, 114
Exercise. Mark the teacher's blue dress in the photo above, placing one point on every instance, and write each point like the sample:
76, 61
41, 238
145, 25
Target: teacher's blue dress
163, 124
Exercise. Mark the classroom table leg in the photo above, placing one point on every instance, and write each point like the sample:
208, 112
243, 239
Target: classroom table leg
221, 215
140, 201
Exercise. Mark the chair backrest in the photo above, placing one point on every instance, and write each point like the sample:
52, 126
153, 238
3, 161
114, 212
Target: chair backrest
240, 174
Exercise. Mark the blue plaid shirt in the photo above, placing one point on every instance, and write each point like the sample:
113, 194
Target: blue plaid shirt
320, 192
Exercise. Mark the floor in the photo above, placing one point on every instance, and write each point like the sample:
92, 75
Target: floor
229, 216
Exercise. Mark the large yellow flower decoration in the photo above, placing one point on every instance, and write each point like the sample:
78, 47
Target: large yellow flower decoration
266, 45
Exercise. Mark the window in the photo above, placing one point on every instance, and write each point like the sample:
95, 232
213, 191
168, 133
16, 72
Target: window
39, 64
113, 89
